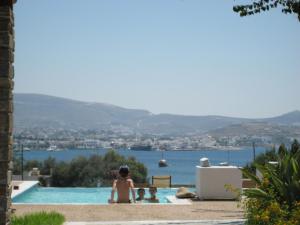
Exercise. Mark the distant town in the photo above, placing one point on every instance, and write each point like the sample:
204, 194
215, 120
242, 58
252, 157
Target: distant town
55, 140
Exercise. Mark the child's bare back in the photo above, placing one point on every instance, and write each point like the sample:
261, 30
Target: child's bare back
122, 185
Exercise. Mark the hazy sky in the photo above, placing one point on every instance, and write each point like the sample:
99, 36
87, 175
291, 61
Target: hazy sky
168, 56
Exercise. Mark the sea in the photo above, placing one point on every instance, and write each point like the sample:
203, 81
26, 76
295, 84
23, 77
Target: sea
181, 164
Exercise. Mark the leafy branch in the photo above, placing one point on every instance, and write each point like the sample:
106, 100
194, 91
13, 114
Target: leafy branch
258, 6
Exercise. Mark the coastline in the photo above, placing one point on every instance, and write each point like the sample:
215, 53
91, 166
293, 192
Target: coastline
206, 148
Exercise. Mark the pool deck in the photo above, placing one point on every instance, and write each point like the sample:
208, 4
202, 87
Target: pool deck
164, 222
200, 210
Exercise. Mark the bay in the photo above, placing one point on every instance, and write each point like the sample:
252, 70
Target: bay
181, 164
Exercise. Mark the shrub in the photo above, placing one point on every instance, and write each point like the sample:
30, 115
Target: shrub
89, 172
276, 200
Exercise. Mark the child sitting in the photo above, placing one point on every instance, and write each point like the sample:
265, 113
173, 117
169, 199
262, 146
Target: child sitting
122, 185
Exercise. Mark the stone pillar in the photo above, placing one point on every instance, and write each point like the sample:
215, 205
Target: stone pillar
7, 46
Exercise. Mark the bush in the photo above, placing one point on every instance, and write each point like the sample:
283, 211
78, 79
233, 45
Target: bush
276, 200
262, 212
41, 218
89, 172
270, 155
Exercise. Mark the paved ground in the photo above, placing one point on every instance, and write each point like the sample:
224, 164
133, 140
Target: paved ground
199, 210
176, 222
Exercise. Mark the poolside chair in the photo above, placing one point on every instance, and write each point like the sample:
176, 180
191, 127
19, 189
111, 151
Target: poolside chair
162, 181
141, 185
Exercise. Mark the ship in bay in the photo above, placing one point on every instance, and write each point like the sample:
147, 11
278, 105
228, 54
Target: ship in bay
141, 147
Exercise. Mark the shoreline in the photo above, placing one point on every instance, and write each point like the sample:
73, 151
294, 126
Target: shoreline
238, 148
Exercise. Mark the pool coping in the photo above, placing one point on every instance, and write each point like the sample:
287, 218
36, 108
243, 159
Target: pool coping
23, 186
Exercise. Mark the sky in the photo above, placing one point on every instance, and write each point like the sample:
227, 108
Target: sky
186, 57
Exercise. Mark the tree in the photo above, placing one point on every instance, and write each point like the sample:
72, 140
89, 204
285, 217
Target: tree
48, 165
258, 6
295, 147
282, 151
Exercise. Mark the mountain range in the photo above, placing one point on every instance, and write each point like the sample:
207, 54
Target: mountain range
43, 111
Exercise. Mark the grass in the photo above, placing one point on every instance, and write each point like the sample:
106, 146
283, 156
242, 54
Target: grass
41, 218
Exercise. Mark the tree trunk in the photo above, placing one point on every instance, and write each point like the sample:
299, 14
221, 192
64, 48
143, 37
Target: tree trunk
7, 46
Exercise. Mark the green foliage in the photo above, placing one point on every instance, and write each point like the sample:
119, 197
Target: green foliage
32, 164
61, 176
271, 212
268, 156
262, 159
282, 151
47, 165
41, 218
295, 147
89, 172
272, 154
276, 200
258, 6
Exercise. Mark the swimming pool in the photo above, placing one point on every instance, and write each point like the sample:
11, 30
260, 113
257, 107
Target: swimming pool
41, 195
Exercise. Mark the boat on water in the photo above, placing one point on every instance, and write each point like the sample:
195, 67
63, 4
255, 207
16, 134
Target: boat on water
52, 148
141, 147
162, 162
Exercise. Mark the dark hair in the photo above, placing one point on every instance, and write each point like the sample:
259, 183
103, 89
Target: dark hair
141, 189
153, 187
124, 171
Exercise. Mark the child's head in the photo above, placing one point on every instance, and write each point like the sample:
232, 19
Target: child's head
141, 192
152, 191
124, 171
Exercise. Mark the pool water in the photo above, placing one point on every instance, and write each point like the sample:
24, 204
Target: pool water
41, 195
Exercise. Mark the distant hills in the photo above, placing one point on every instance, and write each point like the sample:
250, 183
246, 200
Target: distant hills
291, 118
42, 111
35, 110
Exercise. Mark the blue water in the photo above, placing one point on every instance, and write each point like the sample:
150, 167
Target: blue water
39, 195
181, 163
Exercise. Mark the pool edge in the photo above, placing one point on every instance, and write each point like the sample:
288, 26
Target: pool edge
23, 187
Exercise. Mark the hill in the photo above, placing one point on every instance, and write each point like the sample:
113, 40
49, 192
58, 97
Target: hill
291, 118
34, 110
42, 111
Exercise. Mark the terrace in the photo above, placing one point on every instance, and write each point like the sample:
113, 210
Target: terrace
190, 212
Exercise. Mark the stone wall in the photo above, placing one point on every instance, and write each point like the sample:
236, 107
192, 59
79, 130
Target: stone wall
7, 46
